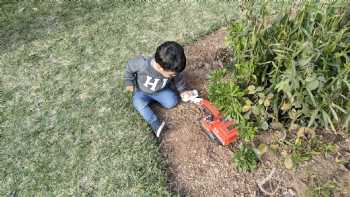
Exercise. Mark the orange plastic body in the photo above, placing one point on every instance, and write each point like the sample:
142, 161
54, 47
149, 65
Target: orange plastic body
214, 123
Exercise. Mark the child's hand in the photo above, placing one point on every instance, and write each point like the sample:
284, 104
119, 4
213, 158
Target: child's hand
187, 95
130, 88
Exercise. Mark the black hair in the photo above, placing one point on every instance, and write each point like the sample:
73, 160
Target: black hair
171, 56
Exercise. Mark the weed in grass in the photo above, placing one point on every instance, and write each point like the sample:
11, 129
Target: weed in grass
325, 190
301, 150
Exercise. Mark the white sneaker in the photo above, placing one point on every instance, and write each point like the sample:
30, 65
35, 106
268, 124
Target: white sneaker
160, 129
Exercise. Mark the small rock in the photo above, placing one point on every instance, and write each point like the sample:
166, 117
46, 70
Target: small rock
216, 171
347, 165
289, 193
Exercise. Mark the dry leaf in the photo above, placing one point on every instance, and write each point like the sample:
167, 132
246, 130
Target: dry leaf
304, 132
262, 148
288, 163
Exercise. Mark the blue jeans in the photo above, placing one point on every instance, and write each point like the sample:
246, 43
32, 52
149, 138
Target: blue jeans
141, 100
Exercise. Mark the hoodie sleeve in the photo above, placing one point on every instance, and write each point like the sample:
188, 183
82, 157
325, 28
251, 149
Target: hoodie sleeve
180, 82
132, 67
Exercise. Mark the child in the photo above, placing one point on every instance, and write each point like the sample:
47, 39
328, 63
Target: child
149, 80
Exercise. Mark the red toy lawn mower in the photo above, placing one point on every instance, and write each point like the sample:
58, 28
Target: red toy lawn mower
217, 128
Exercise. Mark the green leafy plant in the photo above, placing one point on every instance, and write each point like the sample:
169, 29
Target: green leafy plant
226, 95
245, 159
217, 75
246, 131
300, 153
292, 68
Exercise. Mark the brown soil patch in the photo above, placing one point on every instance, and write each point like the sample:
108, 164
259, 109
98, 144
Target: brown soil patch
199, 167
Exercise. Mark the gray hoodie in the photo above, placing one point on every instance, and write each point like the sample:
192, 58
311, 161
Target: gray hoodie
140, 73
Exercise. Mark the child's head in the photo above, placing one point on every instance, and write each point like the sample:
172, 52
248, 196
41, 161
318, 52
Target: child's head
171, 57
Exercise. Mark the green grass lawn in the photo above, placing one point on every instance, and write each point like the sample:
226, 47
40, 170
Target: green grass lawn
67, 126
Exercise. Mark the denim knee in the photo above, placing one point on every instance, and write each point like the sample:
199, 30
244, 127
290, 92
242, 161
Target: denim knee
139, 102
170, 103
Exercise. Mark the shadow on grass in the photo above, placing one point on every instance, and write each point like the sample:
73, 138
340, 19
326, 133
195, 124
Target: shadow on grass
24, 22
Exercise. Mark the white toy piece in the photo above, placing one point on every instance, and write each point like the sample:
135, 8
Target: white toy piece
196, 100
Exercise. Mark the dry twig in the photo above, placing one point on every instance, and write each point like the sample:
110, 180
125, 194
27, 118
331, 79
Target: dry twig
265, 180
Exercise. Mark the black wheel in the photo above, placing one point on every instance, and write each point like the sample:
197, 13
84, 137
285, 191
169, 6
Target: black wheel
214, 139
210, 135
207, 114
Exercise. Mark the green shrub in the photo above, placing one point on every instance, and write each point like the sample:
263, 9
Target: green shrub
300, 63
245, 159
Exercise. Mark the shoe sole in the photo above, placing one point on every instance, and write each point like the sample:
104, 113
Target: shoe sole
159, 130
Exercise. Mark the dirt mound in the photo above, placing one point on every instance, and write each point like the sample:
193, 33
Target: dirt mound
199, 167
